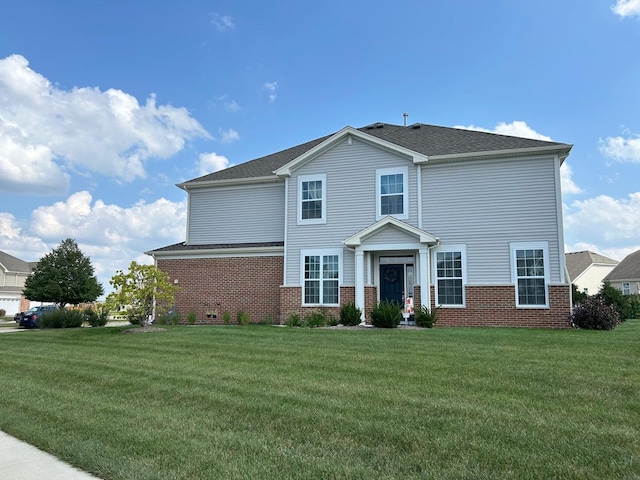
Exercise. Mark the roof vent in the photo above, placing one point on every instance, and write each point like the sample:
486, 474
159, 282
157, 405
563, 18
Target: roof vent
379, 125
415, 126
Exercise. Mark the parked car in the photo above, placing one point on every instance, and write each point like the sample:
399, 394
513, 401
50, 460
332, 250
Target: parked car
29, 319
17, 317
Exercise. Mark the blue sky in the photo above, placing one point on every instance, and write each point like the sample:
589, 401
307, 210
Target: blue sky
106, 105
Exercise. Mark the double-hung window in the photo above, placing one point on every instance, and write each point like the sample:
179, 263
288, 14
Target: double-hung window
626, 288
312, 199
392, 192
320, 277
450, 275
530, 266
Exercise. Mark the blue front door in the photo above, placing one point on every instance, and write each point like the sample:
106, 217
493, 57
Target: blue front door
392, 283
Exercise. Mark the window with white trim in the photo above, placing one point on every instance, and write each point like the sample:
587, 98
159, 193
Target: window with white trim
312, 204
320, 277
450, 275
531, 273
392, 190
626, 288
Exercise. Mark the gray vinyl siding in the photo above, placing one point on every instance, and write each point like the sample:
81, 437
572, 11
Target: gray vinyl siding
351, 202
486, 205
238, 214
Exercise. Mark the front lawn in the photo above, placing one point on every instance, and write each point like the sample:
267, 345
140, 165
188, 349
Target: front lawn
202, 402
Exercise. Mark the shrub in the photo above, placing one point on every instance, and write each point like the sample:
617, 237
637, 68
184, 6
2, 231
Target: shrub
3, 312
315, 319
577, 296
293, 320
623, 304
595, 314
62, 319
386, 314
226, 318
332, 321
267, 320
425, 318
243, 318
95, 318
350, 315
191, 318
170, 317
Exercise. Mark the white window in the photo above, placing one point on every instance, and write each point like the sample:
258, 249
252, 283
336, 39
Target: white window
320, 277
530, 271
392, 191
312, 199
626, 288
450, 275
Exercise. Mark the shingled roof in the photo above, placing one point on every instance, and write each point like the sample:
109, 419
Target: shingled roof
429, 140
578, 262
12, 264
627, 270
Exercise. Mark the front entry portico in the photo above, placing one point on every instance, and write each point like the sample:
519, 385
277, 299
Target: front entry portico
388, 237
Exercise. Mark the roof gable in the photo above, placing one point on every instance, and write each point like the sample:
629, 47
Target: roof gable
579, 262
418, 141
9, 263
627, 269
359, 238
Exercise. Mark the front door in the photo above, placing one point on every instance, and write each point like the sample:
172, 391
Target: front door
392, 283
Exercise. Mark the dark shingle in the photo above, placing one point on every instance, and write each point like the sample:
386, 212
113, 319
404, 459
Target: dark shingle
430, 140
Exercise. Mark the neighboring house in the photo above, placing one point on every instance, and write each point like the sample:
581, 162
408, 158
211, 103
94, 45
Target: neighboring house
467, 221
13, 273
587, 269
626, 275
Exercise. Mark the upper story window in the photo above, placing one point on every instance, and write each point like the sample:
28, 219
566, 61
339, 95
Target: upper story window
530, 269
392, 192
312, 202
450, 273
626, 288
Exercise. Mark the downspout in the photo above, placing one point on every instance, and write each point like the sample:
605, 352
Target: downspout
419, 196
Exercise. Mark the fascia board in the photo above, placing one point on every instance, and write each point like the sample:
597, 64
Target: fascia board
186, 186
286, 170
563, 152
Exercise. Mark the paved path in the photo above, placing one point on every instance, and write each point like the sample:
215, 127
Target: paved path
21, 461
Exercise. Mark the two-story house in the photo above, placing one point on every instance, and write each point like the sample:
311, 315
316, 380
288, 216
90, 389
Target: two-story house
13, 273
466, 221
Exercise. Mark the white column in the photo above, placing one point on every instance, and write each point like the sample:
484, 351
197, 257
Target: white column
425, 287
360, 283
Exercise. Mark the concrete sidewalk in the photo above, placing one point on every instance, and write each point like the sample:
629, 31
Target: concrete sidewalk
21, 461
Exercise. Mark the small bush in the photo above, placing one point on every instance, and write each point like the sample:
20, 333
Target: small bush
293, 320
62, 319
425, 318
314, 320
243, 318
386, 314
267, 320
95, 318
3, 312
226, 318
191, 318
332, 321
170, 317
350, 315
625, 305
595, 314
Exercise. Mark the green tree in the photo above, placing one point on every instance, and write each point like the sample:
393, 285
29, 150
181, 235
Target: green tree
142, 290
63, 276
578, 296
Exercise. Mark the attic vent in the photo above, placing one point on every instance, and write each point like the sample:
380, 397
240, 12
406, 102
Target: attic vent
374, 125
379, 125
415, 126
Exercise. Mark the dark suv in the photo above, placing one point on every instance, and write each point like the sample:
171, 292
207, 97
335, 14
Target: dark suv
29, 319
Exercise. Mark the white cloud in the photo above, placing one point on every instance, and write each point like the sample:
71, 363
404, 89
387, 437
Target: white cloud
516, 128
222, 22
626, 8
605, 220
211, 162
90, 130
228, 104
567, 184
271, 88
229, 135
621, 149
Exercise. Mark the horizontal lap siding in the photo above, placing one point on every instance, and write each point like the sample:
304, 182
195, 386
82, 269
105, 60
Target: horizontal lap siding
486, 205
351, 202
245, 214
390, 235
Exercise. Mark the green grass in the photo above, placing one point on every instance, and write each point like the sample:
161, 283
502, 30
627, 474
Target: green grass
265, 402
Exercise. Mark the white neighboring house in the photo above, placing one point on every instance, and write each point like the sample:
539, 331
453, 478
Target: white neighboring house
587, 270
626, 275
13, 273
